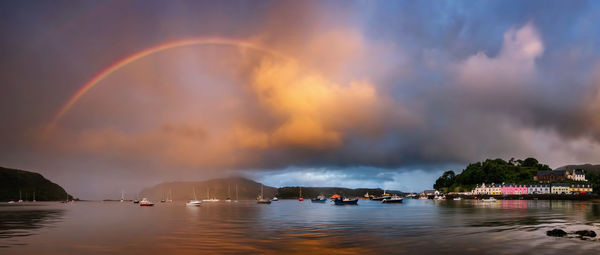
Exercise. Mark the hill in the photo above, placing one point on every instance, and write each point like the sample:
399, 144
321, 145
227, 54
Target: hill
14, 180
219, 188
310, 192
490, 171
586, 167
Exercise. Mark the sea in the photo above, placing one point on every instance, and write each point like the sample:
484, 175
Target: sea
293, 227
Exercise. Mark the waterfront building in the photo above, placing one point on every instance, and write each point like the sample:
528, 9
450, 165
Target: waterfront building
487, 189
514, 189
560, 188
576, 175
538, 189
580, 189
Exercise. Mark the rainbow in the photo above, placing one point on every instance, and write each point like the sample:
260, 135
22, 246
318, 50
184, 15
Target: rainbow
144, 53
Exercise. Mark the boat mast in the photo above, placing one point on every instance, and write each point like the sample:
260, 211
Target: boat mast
300, 191
194, 189
236, 193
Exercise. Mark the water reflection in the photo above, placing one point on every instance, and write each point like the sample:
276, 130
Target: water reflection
22, 221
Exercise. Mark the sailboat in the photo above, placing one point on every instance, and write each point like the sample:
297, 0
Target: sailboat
20, 200
164, 199
300, 198
228, 194
194, 202
261, 199
170, 197
208, 199
236, 194
33, 196
122, 196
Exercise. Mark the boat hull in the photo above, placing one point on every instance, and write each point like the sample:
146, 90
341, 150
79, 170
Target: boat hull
391, 201
263, 202
318, 200
346, 202
146, 204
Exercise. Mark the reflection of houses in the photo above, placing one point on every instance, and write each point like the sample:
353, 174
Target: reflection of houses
514, 189
489, 189
560, 175
560, 188
580, 189
538, 189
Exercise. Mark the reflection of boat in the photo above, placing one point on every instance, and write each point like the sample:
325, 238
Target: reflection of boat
319, 199
491, 199
346, 201
146, 202
194, 202
261, 199
393, 199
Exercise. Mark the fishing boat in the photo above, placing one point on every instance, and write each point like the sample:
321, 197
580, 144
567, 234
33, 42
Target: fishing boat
382, 197
394, 199
146, 202
319, 199
300, 198
491, 199
194, 202
261, 199
346, 201
208, 199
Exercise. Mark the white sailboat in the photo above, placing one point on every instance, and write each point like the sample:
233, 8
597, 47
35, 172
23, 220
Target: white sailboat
208, 199
33, 196
236, 194
122, 196
194, 202
261, 199
20, 200
228, 194
170, 197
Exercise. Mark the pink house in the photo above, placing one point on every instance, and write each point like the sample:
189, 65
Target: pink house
514, 189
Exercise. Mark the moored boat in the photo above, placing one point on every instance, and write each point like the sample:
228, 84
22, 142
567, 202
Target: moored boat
346, 201
261, 199
393, 199
491, 199
194, 202
300, 198
457, 198
319, 199
275, 199
146, 202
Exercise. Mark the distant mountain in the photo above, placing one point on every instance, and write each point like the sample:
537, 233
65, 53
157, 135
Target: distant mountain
219, 188
13, 180
311, 192
585, 167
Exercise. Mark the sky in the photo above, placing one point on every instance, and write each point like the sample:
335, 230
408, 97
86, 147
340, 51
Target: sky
104, 96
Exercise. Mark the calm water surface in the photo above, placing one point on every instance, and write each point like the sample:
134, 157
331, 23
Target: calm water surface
288, 227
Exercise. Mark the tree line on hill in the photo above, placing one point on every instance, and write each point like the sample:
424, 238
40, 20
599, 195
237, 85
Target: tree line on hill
490, 171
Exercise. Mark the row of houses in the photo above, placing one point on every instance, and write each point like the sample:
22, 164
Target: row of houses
532, 189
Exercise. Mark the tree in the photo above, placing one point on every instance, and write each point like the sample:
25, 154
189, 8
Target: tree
446, 180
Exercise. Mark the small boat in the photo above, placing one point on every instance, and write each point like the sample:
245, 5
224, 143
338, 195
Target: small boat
208, 199
122, 196
146, 202
236, 194
300, 198
228, 199
457, 198
345, 201
20, 200
275, 199
491, 199
194, 202
136, 201
11, 202
261, 199
319, 199
393, 199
